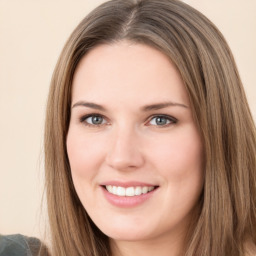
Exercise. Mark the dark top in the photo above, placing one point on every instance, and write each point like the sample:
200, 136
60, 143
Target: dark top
19, 245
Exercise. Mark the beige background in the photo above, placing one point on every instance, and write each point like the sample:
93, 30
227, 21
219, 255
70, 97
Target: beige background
32, 34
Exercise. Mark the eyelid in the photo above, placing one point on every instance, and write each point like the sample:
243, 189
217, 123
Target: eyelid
172, 120
84, 117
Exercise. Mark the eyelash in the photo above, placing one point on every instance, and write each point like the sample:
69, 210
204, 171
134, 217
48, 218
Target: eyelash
83, 120
171, 120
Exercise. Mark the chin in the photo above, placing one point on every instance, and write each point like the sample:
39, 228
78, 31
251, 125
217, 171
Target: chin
128, 233
128, 236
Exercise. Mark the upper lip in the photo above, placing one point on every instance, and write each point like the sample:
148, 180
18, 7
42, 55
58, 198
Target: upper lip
128, 184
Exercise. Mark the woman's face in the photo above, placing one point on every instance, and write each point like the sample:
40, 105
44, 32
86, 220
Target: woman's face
134, 149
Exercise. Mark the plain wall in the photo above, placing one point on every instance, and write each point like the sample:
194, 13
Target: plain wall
32, 34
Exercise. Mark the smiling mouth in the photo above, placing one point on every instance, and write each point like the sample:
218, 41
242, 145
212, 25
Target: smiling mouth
129, 191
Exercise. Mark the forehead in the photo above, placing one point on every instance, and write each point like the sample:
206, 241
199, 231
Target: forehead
126, 71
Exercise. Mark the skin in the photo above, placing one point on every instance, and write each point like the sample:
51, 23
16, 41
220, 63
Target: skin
129, 145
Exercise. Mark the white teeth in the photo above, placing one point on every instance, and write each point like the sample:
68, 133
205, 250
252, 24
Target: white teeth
138, 191
144, 190
150, 189
109, 188
130, 191
120, 191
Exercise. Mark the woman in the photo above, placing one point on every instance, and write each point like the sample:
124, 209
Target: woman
149, 141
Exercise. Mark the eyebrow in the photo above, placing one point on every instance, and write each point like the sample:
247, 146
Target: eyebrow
146, 108
89, 105
162, 105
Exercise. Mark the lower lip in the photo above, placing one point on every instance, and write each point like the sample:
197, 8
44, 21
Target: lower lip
127, 201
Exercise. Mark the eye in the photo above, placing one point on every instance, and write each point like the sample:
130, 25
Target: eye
162, 120
93, 120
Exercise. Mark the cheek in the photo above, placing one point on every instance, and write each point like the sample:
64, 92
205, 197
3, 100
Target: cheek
85, 158
85, 155
179, 159
179, 153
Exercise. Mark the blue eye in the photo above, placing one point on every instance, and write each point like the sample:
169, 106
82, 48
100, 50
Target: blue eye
162, 120
93, 120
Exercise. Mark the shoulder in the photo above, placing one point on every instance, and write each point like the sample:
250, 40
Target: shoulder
19, 245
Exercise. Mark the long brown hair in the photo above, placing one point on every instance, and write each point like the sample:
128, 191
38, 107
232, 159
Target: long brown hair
227, 216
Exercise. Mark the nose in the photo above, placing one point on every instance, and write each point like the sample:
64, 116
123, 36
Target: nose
124, 152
